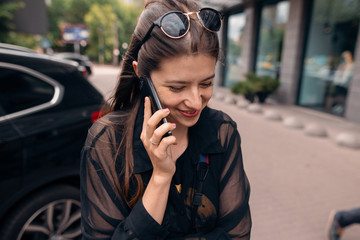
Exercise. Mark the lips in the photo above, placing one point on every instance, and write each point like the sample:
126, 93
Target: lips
190, 114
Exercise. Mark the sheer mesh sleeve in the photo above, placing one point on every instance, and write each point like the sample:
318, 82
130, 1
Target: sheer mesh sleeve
234, 211
105, 215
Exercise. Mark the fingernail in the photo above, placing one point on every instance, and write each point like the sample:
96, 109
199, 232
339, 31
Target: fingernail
174, 125
145, 99
166, 110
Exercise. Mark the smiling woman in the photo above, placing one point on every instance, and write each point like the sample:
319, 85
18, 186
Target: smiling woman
137, 182
184, 85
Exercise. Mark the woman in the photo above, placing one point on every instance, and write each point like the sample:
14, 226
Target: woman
137, 183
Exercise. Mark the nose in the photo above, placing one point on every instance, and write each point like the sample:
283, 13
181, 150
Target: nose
194, 99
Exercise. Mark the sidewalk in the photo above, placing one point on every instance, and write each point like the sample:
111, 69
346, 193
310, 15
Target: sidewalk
313, 123
296, 179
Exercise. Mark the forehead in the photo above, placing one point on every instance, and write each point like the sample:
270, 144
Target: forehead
186, 67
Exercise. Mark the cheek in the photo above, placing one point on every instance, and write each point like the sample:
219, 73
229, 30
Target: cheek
169, 99
207, 94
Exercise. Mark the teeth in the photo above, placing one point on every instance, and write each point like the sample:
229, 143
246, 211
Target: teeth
190, 112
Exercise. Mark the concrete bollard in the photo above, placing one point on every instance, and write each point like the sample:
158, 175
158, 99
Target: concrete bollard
348, 140
254, 108
229, 100
315, 130
242, 104
272, 115
292, 122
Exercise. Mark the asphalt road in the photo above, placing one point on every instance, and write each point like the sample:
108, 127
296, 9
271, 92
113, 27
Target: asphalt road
296, 180
104, 78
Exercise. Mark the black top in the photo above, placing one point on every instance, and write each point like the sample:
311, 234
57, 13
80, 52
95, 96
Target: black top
224, 212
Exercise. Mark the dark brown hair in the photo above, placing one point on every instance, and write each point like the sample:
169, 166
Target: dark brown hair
149, 56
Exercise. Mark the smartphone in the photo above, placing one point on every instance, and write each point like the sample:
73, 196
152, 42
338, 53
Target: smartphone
147, 89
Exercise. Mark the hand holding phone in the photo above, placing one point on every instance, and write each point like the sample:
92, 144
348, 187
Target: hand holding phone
147, 89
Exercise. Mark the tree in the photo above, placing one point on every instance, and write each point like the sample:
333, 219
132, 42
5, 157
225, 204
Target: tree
100, 21
103, 19
7, 12
59, 11
127, 15
111, 24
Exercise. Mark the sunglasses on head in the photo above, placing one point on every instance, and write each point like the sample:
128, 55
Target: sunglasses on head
176, 24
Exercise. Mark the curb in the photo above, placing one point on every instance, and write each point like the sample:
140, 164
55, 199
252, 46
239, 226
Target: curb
343, 139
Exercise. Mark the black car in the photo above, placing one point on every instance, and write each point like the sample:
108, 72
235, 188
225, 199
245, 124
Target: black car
46, 108
15, 47
81, 59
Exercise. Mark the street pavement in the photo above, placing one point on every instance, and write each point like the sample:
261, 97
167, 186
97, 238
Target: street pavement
296, 179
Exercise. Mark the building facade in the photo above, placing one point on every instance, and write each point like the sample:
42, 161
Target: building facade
311, 46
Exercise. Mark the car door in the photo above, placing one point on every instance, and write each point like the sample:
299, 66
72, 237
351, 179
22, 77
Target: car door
25, 132
11, 147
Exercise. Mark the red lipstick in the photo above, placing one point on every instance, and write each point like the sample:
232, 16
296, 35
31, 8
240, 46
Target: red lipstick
190, 114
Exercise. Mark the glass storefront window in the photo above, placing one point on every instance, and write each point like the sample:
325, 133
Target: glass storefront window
274, 18
236, 25
328, 62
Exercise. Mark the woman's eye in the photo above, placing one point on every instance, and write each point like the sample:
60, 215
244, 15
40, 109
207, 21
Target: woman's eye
207, 84
176, 89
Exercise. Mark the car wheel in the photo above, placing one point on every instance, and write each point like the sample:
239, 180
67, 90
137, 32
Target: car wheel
53, 213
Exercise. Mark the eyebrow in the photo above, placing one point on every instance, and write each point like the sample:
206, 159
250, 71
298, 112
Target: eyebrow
184, 82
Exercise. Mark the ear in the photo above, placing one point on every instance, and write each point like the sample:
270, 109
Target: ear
135, 63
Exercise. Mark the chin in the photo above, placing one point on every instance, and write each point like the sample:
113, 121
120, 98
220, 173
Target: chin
189, 122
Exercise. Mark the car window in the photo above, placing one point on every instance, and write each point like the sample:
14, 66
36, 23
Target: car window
19, 90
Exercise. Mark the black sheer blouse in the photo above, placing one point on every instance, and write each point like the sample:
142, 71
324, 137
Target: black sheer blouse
224, 211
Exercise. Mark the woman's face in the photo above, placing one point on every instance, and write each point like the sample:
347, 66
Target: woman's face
184, 85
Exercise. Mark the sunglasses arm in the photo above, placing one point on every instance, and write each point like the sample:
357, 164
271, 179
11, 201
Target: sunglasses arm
147, 35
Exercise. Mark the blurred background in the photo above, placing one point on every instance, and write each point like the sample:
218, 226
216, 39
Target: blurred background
309, 46
289, 76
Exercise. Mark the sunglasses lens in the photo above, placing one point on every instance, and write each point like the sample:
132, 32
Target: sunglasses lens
175, 24
210, 19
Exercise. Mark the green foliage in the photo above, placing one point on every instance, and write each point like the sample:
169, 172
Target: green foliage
7, 12
101, 22
256, 85
21, 39
267, 84
243, 88
102, 18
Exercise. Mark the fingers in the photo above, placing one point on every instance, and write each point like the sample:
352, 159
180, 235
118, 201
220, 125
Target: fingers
160, 132
158, 139
156, 145
165, 143
151, 133
147, 111
152, 120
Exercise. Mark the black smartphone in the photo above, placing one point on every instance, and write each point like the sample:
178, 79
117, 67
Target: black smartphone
147, 89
